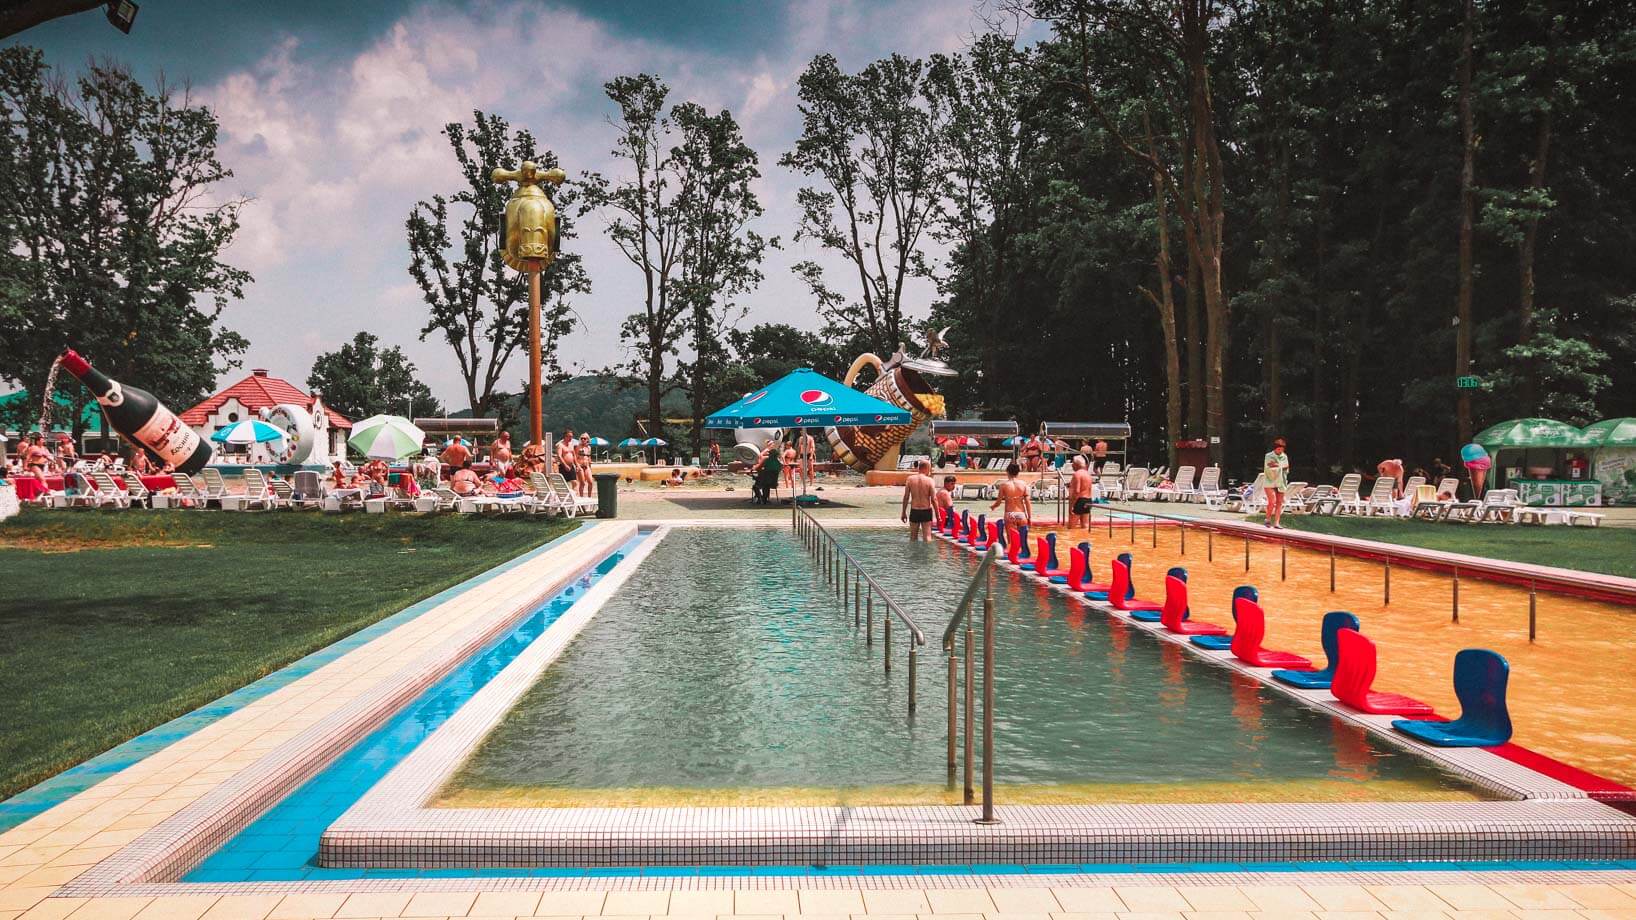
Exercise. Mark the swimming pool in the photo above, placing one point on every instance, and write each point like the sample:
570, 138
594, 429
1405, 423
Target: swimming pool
724, 673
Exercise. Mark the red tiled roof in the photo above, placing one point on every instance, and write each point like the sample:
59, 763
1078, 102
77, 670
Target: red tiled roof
259, 391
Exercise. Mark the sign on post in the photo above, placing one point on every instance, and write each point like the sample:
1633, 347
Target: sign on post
1468, 382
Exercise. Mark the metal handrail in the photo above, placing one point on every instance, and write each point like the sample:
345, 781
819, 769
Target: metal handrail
838, 568
891, 605
963, 609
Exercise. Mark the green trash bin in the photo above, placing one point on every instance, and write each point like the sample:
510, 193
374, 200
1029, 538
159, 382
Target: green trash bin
607, 495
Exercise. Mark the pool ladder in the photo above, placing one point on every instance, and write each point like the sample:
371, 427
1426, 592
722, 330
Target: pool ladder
858, 592
983, 579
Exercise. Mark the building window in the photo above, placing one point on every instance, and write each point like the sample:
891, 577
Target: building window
232, 416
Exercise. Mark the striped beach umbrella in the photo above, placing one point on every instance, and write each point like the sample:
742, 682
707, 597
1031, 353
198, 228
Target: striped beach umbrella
249, 431
386, 437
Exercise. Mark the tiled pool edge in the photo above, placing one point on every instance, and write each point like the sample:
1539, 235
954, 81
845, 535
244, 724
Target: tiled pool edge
54, 790
418, 777
391, 827
165, 851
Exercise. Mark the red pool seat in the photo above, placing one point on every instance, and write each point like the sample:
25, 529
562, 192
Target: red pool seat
1045, 558
985, 535
1355, 675
1175, 608
1250, 630
1013, 546
1119, 592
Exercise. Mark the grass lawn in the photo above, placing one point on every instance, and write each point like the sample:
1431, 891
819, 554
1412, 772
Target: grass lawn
1609, 550
116, 622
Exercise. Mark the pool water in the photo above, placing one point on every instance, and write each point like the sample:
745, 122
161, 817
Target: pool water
725, 672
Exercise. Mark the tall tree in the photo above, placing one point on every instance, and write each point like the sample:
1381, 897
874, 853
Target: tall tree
646, 219
112, 227
1168, 43
873, 142
476, 304
1465, 271
721, 255
360, 379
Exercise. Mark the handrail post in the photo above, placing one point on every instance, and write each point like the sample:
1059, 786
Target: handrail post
911, 675
1155, 519
970, 795
886, 640
1456, 594
1387, 600
988, 710
1533, 606
954, 712
1210, 545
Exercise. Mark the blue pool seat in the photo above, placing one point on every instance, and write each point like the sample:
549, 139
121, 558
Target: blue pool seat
1334, 622
1223, 643
1480, 678
1154, 616
1022, 542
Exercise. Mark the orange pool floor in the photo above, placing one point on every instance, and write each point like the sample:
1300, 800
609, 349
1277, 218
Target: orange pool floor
1572, 692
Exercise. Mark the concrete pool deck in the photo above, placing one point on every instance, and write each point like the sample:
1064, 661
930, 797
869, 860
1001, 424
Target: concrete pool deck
71, 840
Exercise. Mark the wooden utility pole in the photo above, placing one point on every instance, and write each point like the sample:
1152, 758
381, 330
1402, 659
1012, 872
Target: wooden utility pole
1468, 196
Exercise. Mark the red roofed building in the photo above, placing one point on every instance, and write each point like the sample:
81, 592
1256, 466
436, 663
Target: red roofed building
245, 399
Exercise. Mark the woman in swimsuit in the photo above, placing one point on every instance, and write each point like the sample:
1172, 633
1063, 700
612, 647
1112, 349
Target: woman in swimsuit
582, 465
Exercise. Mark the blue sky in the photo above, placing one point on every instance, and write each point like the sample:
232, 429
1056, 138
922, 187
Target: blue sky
331, 111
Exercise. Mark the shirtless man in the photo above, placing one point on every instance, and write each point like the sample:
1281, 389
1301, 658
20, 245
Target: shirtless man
500, 450
456, 454
917, 501
807, 449
1080, 489
1394, 469
1019, 510
945, 496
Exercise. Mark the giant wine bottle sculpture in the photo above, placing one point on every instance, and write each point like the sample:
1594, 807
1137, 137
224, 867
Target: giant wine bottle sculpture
141, 418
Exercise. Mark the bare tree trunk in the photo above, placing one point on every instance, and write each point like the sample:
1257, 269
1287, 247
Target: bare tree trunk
1525, 262
1165, 301
1468, 198
1274, 361
1195, 350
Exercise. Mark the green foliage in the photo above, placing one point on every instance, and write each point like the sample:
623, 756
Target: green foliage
157, 631
359, 380
111, 231
874, 141
476, 304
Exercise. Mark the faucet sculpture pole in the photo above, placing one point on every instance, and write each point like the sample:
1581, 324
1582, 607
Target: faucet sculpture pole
528, 244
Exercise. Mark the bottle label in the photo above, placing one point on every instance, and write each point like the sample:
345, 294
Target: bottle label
167, 436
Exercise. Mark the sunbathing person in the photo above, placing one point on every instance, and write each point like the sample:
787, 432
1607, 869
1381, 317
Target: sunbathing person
464, 481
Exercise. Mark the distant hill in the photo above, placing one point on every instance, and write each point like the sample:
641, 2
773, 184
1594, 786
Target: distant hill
604, 406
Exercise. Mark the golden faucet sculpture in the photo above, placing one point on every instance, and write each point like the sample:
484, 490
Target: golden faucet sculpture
528, 244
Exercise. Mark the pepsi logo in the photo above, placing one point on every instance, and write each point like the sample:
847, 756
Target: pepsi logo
816, 398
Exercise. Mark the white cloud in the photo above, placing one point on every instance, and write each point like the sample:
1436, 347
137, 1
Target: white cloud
336, 154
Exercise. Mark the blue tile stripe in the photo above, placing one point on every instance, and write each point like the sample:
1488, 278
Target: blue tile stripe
77, 779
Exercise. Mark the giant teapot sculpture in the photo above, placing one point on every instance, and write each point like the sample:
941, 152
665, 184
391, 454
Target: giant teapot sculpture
901, 382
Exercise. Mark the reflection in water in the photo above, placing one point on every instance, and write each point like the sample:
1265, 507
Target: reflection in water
1584, 721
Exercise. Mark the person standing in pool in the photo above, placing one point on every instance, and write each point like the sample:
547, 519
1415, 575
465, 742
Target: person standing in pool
1080, 489
1019, 510
1275, 472
917, 501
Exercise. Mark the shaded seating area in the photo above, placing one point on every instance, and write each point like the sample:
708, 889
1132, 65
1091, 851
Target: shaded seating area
1251, 629
1329, 634
1353, 683
1480, 680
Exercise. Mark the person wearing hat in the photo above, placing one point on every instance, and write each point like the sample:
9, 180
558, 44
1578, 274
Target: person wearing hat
1275, 472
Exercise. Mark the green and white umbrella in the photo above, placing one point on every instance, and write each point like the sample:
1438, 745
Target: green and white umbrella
386, 437
249, 431
1530, 432
1611, 432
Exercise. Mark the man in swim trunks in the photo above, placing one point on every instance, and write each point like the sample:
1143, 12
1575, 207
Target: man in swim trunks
1394, 469
1080, 489
565, 457
1019, 510
917, 501
500, 450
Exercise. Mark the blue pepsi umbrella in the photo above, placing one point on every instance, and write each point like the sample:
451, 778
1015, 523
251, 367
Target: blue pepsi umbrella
807, 399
